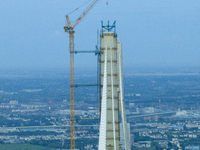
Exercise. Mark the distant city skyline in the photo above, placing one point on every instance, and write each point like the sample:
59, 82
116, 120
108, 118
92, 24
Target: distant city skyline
153, 33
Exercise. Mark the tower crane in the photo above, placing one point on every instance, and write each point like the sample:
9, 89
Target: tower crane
69, 28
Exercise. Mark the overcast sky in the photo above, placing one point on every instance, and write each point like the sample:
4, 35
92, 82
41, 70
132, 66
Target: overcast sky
153, 32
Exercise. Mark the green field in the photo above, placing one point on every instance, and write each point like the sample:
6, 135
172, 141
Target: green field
23, 147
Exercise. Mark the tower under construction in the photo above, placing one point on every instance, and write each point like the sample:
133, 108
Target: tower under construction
112, 99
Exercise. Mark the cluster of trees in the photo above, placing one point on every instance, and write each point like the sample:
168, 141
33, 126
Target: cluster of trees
34, 121
80, 143
47, 143
30, 133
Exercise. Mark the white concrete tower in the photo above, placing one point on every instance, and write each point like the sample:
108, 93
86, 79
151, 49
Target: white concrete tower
112, 99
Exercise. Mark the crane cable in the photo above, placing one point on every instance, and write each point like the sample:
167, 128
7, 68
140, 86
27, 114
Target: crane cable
78, 7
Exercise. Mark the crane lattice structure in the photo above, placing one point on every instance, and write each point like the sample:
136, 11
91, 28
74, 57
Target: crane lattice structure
70, 29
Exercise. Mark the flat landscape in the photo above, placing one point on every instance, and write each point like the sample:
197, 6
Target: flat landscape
23, 147
162, 107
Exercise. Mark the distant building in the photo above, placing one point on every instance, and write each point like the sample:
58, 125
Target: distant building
148, 110
141, 144
179, 113
13, 102
192, 148
65, 112
3, 130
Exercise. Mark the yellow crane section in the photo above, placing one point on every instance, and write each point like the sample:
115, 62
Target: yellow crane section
70, 29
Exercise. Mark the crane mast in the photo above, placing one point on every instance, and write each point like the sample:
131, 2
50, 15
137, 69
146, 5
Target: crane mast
70, 29
72, 110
